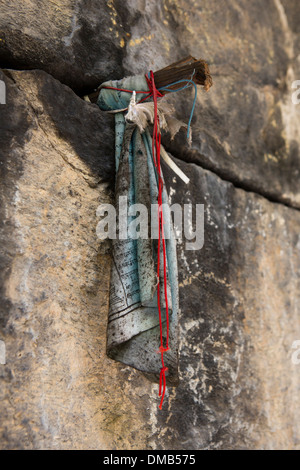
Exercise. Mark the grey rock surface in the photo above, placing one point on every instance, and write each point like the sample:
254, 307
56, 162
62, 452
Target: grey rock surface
55, 390
245, 129
240, 319
73, 40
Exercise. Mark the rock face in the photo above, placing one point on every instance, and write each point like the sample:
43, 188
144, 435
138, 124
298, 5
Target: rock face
62, 38
55, 274
246, 129
239, 294
240, 317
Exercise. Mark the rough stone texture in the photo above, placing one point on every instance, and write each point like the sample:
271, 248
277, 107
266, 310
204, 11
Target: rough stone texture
58, 389
240, 302
73, 40
239, 295
240, 317
245, 129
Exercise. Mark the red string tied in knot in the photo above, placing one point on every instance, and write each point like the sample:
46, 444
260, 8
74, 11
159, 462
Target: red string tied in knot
151, 85
162, 381
163, 349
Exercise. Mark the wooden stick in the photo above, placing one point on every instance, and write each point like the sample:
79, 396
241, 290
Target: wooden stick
188, 68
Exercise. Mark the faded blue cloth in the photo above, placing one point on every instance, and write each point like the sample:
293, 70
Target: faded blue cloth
133, 333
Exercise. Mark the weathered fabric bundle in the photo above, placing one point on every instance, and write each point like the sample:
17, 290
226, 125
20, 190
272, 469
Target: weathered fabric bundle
133, 333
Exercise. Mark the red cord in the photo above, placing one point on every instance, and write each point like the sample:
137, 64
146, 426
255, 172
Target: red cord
122, 89
156, 142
